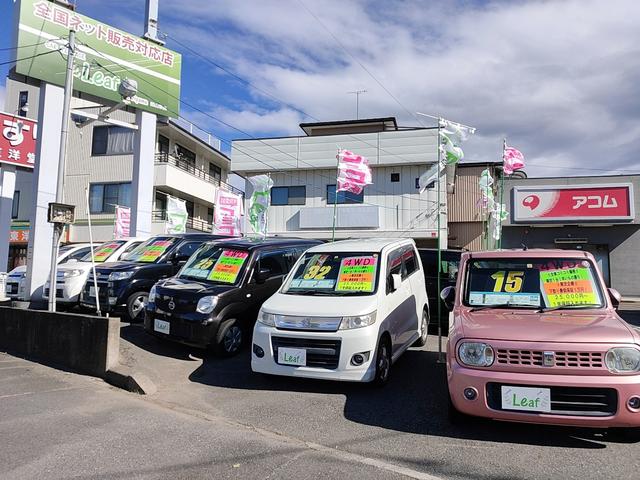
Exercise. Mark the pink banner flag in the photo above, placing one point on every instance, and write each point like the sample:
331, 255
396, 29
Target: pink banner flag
123, 222
353, 172
227, 213
513, 160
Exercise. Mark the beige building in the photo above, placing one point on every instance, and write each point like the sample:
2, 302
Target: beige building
188, 165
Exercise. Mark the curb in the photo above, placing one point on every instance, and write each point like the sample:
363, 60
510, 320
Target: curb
127, 379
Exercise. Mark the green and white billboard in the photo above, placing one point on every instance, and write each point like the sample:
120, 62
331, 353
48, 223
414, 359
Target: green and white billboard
104, 57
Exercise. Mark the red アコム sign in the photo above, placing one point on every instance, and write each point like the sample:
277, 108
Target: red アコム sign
549, 203
18, 140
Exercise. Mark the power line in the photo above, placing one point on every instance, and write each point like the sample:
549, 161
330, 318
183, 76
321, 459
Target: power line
23, 46
359, 62
28, 58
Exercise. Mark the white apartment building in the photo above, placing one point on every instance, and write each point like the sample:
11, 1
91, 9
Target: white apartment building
188, 165
304, 170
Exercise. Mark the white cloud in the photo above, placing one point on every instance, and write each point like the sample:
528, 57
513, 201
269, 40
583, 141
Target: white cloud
557, 78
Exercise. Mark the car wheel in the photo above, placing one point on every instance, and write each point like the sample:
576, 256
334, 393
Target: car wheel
383, 363
229, 339
424, 330
136, 304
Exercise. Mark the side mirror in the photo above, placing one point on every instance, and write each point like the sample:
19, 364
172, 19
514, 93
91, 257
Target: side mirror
263, 275
448, 296
615, 297
396, 281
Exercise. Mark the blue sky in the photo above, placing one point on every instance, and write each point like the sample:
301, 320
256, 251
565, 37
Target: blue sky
558, 79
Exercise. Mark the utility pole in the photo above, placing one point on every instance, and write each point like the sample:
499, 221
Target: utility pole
58, 229
357, 93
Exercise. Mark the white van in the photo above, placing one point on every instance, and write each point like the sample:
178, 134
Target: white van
347, 311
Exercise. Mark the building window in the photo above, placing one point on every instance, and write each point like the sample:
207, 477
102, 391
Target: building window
163, 144
210, 216
215, 172
343, 197
395, 177
431, 185
185, 155
289, 195
112, 140
103, 197
16, 204
189, 207
23, 103
161, 201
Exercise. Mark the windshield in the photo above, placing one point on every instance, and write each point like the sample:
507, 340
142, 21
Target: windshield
151, 250
213, 263
334, 274
103, 252
533, 283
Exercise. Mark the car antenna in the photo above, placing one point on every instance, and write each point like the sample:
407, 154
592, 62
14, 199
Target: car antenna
524, 247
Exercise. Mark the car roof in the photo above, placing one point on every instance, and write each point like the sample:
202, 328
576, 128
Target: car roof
533, 252
256, 243
191, 236
361, 245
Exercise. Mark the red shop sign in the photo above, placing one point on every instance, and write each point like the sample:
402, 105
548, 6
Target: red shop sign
548, 203
18, 140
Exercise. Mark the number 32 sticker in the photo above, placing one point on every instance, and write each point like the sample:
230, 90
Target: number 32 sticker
317, 272
509, 282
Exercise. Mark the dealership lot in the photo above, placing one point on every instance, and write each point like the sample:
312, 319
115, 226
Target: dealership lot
404, 424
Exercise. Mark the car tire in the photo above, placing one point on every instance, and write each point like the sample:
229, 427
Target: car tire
136, 303
229, 339
424, 330
383, 363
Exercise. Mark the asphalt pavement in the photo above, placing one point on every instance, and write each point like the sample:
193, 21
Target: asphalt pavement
214, 418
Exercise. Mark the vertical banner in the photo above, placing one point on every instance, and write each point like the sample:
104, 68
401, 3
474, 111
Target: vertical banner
18, 137
353, 172
123, 222
227, 214
259, 203
176, 215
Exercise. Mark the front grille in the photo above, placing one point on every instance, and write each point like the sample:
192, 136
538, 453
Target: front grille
576, 401
561, 359
59, 293
321, 353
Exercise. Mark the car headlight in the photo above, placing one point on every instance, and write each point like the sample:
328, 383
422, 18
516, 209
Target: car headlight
115, 276
72, 273
358, 321
207, 304
266, 318
623, 360
476, 354
152, 295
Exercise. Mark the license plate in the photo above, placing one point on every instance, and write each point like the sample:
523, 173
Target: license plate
8, 289
526, 399
161, 326
92, 291
292, 356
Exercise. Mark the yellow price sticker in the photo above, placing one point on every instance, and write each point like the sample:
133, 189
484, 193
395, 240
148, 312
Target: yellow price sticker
511, 284
316, 272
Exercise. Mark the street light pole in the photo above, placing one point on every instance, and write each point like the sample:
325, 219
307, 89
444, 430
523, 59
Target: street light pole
58, 229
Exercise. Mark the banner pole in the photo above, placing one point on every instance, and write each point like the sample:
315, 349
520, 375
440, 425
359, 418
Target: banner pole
504, 147
439, 307
335, 199
93, 260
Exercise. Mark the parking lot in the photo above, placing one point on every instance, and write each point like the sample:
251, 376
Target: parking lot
402, 425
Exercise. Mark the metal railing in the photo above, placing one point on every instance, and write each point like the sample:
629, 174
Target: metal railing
192, 223
189, 167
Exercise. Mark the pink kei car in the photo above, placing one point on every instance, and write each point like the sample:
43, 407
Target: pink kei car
534, 337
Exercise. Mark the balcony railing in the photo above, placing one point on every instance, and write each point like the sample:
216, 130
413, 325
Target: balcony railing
192, 223
189, 167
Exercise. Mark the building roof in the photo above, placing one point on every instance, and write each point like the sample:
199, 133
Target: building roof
173, 124
531, 252
386, 123
359, 245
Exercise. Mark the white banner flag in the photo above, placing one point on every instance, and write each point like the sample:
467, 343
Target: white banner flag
123, 222
176, 215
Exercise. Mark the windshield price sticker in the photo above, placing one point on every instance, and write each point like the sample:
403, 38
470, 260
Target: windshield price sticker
357, 274
571, 286
228, 266
320, 284
105, 252
492, 298
154, 251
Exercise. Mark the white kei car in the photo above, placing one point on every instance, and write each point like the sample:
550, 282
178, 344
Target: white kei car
72, 276
17, 278
347, 311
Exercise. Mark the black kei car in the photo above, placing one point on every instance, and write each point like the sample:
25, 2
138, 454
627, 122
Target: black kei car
215, 298
124, 286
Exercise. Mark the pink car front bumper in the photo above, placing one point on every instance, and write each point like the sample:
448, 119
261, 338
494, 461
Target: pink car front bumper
614, 412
